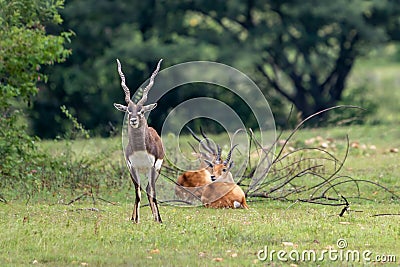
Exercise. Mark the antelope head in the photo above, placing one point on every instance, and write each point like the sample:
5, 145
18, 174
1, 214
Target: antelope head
221, 169
136, 111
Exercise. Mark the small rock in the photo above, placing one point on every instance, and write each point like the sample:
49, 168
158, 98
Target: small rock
287, 244
355, 145
155, 251
363, 147
309, 141
324, 145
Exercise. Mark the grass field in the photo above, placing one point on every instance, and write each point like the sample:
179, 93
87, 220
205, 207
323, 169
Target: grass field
45, 232
81, 236
38, 228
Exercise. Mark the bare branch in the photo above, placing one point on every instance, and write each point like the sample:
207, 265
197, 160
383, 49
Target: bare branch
386, 214
312, 116
193, 134
2, 199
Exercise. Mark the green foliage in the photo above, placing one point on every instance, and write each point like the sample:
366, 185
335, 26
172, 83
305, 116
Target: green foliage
76, 125
16, 149
375, 82
303, 51
59, 169
25, 46
297, 52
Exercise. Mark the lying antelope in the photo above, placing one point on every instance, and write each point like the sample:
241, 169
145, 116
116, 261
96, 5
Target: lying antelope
191, 183
222, 193
221, 170
232, 196
144, 152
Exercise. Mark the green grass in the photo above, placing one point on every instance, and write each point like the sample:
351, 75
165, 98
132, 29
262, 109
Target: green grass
47, 233
60, 235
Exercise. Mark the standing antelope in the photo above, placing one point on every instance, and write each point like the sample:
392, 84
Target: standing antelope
144, 152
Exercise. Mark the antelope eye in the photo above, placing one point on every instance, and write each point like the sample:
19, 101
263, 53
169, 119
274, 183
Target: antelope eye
140, 112
224, 170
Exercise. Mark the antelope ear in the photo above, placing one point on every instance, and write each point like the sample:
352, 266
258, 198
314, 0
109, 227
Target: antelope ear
150, 107
120, 107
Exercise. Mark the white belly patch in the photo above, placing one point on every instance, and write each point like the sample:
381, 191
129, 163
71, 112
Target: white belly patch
141, 160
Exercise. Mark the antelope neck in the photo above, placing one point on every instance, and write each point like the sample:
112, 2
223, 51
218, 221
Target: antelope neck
137, 137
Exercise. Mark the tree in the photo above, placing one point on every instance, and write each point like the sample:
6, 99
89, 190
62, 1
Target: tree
298, 52
305, 50
87, 83
25, 47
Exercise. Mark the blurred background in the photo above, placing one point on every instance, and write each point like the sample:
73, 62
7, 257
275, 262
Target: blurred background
307, 54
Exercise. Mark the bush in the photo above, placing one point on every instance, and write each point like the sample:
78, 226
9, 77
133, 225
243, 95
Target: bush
24, 47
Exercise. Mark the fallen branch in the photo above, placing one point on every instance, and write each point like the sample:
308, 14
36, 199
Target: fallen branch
345, 207
91, 195
385, 214
76, 199
2, 199
282, 179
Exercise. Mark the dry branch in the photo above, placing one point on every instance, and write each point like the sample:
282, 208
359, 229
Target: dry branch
308, 175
